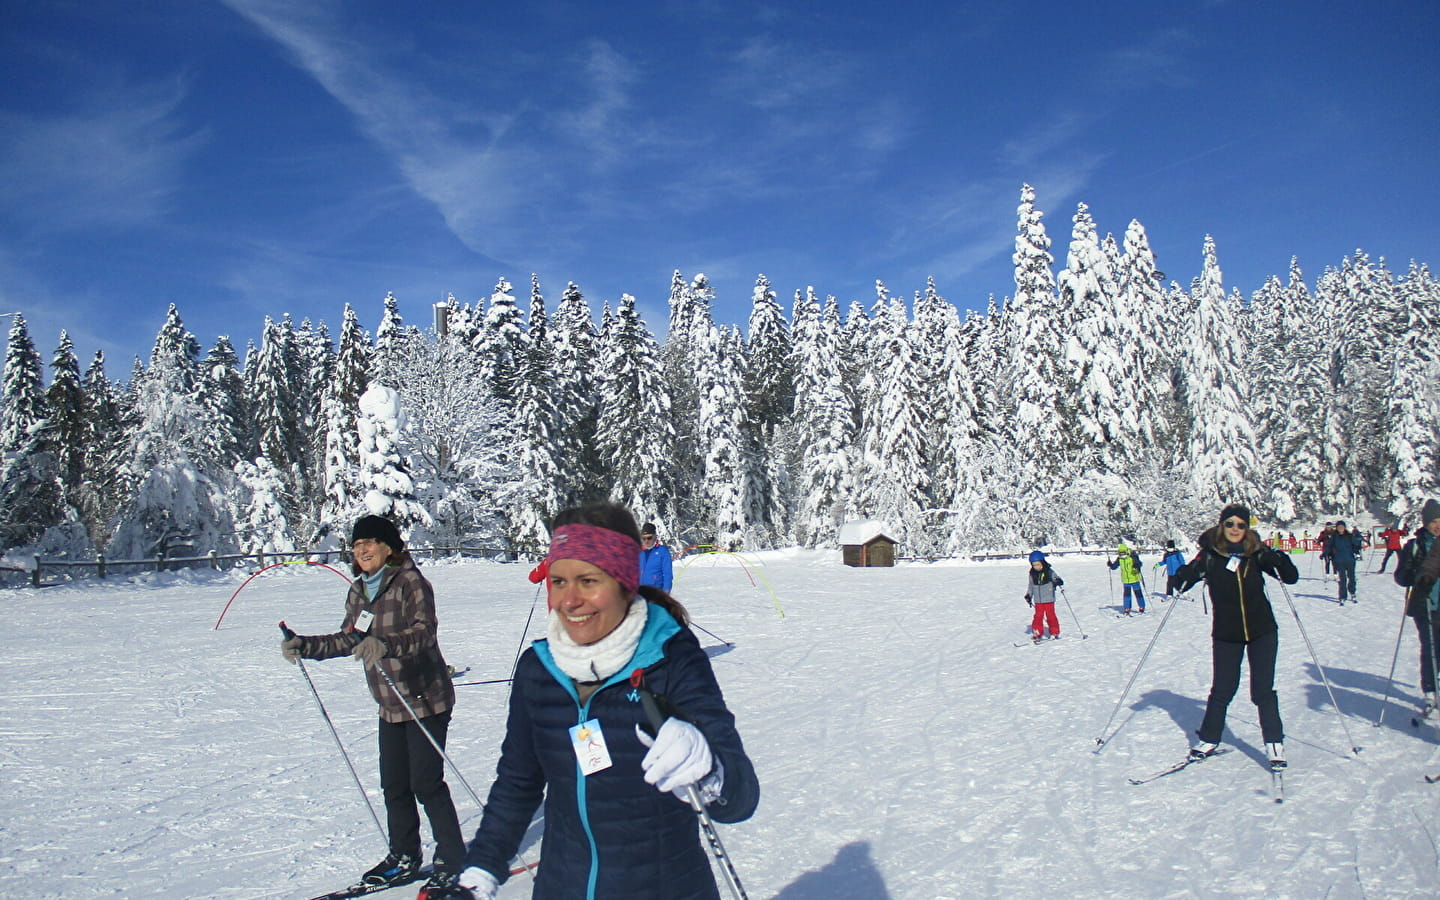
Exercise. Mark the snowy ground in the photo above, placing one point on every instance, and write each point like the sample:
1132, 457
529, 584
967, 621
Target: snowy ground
905, 748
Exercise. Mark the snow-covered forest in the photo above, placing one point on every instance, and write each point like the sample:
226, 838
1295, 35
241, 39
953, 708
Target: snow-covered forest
1090, 403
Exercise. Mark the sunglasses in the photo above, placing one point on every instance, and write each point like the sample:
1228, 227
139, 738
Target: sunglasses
1235, 523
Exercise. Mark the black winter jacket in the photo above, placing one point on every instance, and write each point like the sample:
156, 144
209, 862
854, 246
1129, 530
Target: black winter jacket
1242, 611
1407, 572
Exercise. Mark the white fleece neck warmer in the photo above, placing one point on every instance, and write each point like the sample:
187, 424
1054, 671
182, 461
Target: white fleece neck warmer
605, 657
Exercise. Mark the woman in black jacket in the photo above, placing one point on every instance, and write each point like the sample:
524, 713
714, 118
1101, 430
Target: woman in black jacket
1232, 562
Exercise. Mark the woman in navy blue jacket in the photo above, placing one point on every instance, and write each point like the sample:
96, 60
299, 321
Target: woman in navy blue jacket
616, 821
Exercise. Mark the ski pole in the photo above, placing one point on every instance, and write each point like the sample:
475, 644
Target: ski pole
1354, 748
1100, 741
524, 634
1394, 660
657, 718
712, 634
1066, 597
439, 749
285, 630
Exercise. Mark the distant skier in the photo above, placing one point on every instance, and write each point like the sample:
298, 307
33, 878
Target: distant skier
1343, 550
1417, 569
1128, 562
1041, 583
657, 567
1171, 561
1394, 538
1232, 563
1324, 540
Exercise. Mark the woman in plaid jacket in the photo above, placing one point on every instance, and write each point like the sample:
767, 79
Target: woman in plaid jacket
390, 625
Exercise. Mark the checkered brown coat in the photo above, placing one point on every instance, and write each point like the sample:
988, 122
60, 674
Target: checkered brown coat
404, 609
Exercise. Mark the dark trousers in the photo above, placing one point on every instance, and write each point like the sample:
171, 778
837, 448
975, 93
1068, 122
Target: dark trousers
1429, 644
1226, 657
1386, 561
1346, 571
411, 770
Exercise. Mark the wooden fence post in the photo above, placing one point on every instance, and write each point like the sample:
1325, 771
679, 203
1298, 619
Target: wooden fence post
35, 576
214, 563
100, 564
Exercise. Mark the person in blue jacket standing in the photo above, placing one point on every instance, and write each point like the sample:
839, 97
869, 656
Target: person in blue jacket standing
657, 568
616, 824
1172, 561
1344, 549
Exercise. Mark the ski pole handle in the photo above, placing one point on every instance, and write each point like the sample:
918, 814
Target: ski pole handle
285, 630
657, 709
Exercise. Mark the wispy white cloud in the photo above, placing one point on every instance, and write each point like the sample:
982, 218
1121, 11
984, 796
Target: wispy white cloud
472, 181
116, 159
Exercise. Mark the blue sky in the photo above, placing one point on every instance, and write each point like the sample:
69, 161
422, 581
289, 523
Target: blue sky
254, 157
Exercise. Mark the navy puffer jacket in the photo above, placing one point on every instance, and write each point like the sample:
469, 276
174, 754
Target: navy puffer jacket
610, 836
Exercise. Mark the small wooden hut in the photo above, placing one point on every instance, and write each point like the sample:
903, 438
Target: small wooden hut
865, 543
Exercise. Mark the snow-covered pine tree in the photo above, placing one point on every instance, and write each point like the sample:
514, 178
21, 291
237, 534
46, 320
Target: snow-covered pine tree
768, 400
271, 376
1296, 436
1338, 492
339, 410
1102, 368
176, 507
22, 388
99, 496
690, 325
1221, 458
316, 366
1370, 333
500, 346
390, 335
1155, 336
262, 521
825, 425
32, 496
896, 484
576, 411
1413, 416
539, 492
1035, 391
384, 473
719, 357
227, 438
66, 399
635, 436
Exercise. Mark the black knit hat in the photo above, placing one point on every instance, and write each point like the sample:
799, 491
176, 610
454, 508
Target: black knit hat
1238, 510
380, 529
1430, 511
647, 530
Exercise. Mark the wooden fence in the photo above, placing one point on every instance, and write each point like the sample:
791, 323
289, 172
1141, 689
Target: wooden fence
102, 567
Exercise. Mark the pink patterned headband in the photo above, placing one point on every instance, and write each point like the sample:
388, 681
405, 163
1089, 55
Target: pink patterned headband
610, 551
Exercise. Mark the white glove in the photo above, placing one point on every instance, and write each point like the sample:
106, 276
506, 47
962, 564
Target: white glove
480, 883
678, 756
